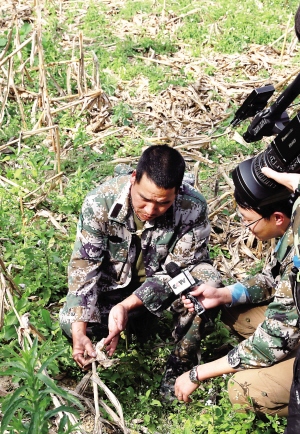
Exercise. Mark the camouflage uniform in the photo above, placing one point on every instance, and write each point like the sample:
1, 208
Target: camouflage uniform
273, 343
100, 270
293, 421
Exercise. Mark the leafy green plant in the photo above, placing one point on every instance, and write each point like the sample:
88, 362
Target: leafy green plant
122, 114
29, 408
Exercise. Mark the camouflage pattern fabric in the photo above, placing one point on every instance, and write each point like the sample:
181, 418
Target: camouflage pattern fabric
279, 333
296, 226
104, 250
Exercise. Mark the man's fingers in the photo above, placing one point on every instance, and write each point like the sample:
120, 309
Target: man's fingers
111, 344
198, 290
79, 359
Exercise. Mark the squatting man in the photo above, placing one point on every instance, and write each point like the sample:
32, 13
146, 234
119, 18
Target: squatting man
129, 229
261, 310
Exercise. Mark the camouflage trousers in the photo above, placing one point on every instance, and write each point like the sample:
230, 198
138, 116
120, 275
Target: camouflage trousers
263, 390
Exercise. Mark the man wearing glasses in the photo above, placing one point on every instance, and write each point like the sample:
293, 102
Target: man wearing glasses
262, 312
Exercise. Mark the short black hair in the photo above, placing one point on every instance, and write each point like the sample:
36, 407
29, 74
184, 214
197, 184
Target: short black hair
162, 164
284, 205
297, 23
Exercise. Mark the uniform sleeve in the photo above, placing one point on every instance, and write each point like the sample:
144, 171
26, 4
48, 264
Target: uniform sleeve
254, 289
84, 266
276, 336
189, 250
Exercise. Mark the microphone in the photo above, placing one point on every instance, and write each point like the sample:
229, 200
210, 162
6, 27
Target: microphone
182, 282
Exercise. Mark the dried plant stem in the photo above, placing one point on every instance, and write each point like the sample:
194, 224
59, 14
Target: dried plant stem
2, 299
8, 181
44, 183
284, 40
19, 102
226, 177
6, 91
60, 62
2, 62
8, 278
58, 159
42, 75
97, 425
96, 71
22, 211
217, 211
161, 62
9, 37
194, 11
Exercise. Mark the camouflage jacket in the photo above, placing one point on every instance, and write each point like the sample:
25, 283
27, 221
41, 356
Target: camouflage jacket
279, 333
104, 249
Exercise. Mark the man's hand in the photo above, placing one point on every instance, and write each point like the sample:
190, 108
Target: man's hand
289, 180
209, 296
117, 321
184, 387
83, 349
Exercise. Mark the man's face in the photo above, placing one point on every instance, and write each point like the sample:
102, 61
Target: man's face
262, 228
148, 200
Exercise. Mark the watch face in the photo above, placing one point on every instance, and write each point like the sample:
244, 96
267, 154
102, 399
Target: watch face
233, 358
193, 375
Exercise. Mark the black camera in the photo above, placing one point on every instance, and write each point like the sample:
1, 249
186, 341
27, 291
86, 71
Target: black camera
282, 155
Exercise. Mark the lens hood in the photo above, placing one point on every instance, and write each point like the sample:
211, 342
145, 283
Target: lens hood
253, 191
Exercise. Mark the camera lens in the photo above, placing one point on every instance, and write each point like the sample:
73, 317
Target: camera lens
282, 155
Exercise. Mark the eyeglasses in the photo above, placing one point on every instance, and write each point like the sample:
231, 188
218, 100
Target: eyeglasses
246, 222
251, 223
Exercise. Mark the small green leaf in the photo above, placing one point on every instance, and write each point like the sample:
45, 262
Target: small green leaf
47, 318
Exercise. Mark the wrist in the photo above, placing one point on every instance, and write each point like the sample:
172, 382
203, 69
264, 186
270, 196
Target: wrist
193, 375
226, 295
79, 328
130, 303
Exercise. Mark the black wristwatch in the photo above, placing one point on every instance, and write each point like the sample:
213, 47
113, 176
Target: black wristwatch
193, 376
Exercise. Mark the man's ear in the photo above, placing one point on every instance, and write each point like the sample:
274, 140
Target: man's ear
280, 218
133, 177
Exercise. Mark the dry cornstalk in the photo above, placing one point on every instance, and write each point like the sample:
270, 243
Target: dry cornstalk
18, 101
14, 184
217, 211
2, 62
7, 276
97, 425
9, 37
161, 62
6, 91
53, 178
226, 177
59, 62
192, 12
2, 298
42, 75
284, 39
58, 158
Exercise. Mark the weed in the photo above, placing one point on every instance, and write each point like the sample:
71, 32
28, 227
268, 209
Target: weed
28, 408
